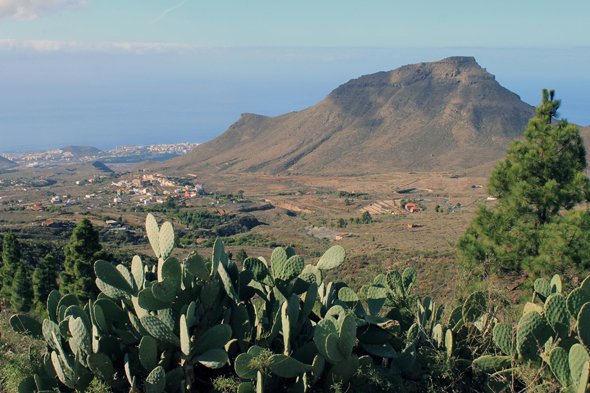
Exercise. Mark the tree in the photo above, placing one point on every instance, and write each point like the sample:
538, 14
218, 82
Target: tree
241, 256
21, 297
366, 218
44, 280
83, 250
534, 225
11, 255
342, 223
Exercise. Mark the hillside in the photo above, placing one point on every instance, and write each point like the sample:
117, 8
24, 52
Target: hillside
445, 115
82, 151
5, 163
585, 133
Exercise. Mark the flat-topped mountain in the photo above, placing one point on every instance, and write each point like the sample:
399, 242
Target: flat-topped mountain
444, 115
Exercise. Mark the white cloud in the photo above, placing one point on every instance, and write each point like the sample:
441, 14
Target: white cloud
93, 47
35, 9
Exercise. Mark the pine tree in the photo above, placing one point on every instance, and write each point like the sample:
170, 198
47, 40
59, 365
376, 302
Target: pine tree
44, 279
11, 255
534, 225
83, 250
241, 256
21, 297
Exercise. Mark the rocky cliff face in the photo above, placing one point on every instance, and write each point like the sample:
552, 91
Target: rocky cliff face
444, 115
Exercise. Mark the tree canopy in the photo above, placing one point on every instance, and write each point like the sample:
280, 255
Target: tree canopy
537, 224
82, 251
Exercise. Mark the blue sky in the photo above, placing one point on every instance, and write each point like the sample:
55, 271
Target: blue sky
110, 73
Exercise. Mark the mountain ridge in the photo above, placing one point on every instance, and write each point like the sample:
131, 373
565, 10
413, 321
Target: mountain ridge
445, 115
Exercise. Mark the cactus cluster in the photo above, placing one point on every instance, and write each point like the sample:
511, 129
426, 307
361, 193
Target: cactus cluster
543, 336
277, 324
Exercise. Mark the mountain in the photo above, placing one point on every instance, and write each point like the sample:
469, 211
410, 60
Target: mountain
88, 169
445, 115
5, 163
82, 151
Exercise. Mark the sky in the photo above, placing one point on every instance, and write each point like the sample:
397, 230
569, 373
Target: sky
111, 73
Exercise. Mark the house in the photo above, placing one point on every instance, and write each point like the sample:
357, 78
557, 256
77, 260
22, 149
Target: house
50, 223
412, 207
56, 199
117, 200
36, 207
112, 223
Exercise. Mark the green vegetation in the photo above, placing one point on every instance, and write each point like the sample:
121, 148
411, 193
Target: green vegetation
44, 280
535, 226
11, 261
83, 249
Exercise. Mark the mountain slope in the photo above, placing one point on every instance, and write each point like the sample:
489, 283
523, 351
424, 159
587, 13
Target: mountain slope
82, 151
443, 115
5, 163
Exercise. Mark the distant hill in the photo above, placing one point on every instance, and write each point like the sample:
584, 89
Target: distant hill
82, 151
98, 166
445, 115
5, 163
88, 169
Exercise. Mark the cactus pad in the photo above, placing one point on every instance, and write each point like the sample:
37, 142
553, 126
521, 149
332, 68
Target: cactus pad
542, 288
148, 301
576, 299
394, 283
555, 310
101, 365
347, 335
474, 307
583, 325
153, 232
332, 258
555, 284
156, 381
166, 239
532, 333
291, 269
347, 295
437, 336
164, 291
577, 357
195, 265
491, 364
52, 303
216, 337
503, 337
159, 330
559, 363
213, 358
110, 291
311, 274
288, 367
408, 279
376, 296
148, 353
24, 324
278, 260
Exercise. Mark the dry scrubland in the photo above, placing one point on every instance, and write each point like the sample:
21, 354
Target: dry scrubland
423, 240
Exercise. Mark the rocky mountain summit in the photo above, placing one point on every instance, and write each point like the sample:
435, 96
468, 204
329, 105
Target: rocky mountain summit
444, 115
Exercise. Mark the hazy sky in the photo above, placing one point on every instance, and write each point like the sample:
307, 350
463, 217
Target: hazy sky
110, 73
